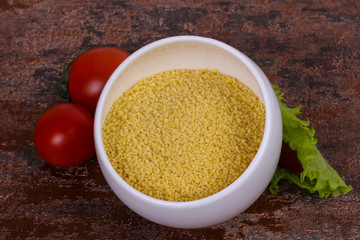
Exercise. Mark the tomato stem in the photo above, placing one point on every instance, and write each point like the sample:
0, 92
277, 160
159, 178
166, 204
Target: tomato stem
62, 88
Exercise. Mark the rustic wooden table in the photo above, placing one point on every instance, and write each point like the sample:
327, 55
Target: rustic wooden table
311, 49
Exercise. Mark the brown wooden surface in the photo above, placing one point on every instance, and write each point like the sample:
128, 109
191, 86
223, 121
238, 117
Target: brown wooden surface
311, 49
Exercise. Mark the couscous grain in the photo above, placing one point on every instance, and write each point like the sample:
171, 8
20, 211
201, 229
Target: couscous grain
182, 135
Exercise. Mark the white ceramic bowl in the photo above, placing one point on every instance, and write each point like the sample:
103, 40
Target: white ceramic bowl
194, 53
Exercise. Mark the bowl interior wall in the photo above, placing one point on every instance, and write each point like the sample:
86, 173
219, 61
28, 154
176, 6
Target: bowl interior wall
179, 55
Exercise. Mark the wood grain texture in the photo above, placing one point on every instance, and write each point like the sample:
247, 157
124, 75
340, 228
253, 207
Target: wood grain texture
311, 49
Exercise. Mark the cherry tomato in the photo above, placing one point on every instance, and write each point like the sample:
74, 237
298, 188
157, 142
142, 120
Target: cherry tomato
63, 136
89, 73
288, 159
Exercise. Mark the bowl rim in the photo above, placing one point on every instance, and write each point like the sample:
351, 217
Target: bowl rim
262, 82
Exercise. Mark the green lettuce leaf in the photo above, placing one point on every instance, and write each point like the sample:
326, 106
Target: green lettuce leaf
318, 175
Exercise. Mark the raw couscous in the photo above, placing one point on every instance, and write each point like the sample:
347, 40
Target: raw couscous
182, 135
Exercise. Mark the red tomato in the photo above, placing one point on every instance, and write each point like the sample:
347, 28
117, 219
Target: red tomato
63, 136
288, 159
89, 73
